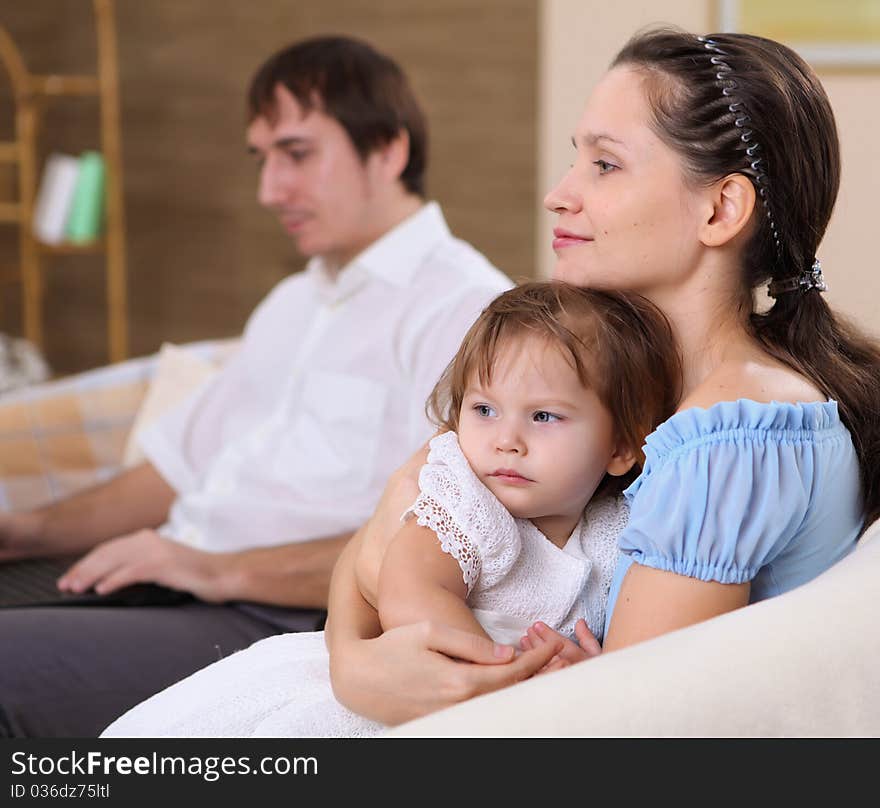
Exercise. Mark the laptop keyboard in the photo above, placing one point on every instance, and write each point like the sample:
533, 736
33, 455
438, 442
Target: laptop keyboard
33, 583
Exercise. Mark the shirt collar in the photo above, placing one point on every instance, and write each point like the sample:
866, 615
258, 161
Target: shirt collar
394, 257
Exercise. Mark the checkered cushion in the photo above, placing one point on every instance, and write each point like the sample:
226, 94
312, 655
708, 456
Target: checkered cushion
62, 436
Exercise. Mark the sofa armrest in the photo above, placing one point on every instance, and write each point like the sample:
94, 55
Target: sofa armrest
803, 664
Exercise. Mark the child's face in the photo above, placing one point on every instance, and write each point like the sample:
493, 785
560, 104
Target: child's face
535, 437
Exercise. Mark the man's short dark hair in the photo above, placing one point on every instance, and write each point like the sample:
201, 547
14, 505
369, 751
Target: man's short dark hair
350, 81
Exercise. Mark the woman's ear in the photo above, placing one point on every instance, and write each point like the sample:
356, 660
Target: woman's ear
732, 202
622, 461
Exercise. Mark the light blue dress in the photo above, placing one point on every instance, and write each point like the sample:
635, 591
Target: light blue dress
744, 491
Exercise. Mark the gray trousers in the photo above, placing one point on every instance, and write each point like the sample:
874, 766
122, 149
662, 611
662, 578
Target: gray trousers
68, 671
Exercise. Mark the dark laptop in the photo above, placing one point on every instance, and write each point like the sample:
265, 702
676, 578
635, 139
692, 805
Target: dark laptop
32, 583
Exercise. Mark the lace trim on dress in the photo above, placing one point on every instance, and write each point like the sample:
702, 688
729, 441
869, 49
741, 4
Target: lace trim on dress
470, 523
429, 513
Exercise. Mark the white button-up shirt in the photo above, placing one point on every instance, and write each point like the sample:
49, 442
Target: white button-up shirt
296, 437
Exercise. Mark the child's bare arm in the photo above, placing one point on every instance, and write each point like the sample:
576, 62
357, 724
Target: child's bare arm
418, 581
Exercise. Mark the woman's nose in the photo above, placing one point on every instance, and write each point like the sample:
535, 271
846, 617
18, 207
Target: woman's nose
564, 197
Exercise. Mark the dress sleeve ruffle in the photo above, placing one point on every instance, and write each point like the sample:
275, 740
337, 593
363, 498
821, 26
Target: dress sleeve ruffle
470, 523
725, 489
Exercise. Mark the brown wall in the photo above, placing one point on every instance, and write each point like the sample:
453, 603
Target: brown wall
201, 252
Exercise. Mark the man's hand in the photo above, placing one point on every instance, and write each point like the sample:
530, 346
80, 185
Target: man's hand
146, 557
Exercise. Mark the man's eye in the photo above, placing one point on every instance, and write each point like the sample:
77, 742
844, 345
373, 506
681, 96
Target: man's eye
298, 156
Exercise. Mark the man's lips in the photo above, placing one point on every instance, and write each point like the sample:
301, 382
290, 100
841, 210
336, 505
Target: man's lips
565, 238
292, 223
510, 476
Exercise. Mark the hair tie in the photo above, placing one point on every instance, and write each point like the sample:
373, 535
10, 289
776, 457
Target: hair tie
811, 278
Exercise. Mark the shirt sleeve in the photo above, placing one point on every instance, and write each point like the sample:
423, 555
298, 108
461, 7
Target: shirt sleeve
718, 504
435, 339
184, 442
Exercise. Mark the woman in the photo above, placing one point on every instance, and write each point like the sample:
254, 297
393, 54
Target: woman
706, 167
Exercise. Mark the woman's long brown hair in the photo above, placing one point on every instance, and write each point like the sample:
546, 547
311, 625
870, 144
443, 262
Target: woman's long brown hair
721, 101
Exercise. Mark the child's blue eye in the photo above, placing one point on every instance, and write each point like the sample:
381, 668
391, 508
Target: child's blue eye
544, 417
484, 410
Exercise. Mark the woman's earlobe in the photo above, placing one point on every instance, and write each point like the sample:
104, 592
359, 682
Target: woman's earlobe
733, 203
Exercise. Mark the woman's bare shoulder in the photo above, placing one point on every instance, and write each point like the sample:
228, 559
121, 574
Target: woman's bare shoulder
761, 379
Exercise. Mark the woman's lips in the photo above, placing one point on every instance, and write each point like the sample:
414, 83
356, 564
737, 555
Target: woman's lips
563, 238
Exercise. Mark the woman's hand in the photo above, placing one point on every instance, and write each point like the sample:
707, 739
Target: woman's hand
414, 670
541, 635
375, 536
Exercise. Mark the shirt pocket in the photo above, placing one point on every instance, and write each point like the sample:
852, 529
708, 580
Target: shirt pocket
333, 443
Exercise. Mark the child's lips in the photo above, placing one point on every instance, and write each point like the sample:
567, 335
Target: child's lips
510, 476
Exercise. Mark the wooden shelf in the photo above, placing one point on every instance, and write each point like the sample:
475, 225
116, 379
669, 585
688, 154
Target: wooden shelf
9, 152
31, 93
65, 85
92, 248
10, 212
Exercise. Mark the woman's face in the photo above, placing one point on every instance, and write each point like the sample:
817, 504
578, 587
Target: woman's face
627, 220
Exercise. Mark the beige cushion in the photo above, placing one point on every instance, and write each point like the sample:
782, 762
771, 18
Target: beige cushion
178, 373
802, 664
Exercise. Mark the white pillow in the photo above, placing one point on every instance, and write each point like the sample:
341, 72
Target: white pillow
178, 373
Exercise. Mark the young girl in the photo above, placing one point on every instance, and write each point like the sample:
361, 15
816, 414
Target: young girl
545, 408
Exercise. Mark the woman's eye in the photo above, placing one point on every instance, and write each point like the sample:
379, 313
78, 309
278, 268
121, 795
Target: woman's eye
604, 166
544, 417
484, 410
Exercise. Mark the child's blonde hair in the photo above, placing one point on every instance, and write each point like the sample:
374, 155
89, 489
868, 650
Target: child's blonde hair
620, 345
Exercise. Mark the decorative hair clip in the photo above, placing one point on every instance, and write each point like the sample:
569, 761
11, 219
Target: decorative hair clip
811, 278
724, 79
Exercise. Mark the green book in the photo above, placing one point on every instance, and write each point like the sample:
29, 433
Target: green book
84, 223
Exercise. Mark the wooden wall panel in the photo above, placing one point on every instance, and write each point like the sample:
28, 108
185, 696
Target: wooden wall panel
201, 252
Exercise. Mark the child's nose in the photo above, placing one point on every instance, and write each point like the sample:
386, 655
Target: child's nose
508, 440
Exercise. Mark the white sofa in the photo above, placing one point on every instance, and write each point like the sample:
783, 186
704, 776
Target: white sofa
804, 664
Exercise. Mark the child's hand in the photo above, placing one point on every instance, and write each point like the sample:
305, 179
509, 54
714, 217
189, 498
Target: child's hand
540, 634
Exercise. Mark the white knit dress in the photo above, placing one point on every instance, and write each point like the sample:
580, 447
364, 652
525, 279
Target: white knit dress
280, 686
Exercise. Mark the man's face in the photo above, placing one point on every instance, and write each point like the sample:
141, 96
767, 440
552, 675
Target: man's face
313, 179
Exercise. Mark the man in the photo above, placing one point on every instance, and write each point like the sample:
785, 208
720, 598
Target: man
253, 486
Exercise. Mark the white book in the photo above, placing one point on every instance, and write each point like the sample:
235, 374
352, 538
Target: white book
54, 197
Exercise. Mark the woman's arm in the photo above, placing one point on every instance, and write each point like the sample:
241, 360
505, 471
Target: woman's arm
653, 602
400, 492
419, 581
